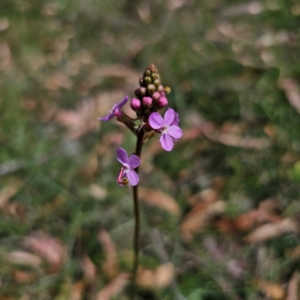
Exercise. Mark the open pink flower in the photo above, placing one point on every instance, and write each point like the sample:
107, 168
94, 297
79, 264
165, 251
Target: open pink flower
115, 112
127, 172
168, 127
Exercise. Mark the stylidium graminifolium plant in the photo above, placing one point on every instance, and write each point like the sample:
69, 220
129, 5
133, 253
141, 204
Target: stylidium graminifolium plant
149, 99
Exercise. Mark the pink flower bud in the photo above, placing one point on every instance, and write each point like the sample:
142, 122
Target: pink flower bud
160, 88
162, 102
147, 101
156, 96
135, 104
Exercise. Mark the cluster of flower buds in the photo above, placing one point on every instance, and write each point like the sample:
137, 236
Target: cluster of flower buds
150, 98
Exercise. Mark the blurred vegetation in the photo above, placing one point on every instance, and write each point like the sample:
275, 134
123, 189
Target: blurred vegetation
220, 213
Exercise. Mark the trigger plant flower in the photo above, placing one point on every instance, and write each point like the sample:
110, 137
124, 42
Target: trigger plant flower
127, 173
149, 99
167, 126
115, 112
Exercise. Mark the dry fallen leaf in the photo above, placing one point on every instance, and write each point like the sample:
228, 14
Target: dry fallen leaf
199, 217
271, 230
97, 191
160, 199
161, 277
24, 258
4, 24
292, 287
77, 290
24, 277
268, 211
49, 248
110, 266
272, 290
206, 195
84, 117
91, 166
7, 193
89, 269
292, 90
164, 275
234, 140
146, 278
5, 57
114, 288
57, 81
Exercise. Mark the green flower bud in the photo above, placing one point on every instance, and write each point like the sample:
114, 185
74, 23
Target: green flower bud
157, 82
142, 82
150, 89
155, 76
152, 68
147, 80
147, 73
140, 92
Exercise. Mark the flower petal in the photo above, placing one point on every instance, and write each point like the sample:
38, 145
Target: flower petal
169, 116
122, 156
166, 142
156, 121
176, 119
115, 110
175, 132
133, 161
133, 177
122, 103
106, 118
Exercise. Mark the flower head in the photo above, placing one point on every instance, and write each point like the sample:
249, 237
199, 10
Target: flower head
167, 126
115, 112
127, 172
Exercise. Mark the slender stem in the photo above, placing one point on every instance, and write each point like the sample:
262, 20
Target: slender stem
138, 152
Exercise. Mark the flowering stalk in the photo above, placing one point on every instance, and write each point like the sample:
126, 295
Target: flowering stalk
149, 98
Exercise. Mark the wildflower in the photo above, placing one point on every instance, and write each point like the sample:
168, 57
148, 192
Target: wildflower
167, 126
115, 112
127, 172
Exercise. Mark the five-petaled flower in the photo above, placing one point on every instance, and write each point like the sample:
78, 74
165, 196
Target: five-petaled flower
115, 112
127, 173
167, 126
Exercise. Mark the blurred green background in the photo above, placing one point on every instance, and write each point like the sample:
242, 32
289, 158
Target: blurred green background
220, 213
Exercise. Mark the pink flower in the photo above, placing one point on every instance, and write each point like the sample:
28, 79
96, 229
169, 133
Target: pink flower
127, 172
168, 127
115, 112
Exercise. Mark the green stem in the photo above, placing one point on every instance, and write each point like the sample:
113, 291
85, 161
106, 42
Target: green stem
138, 152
